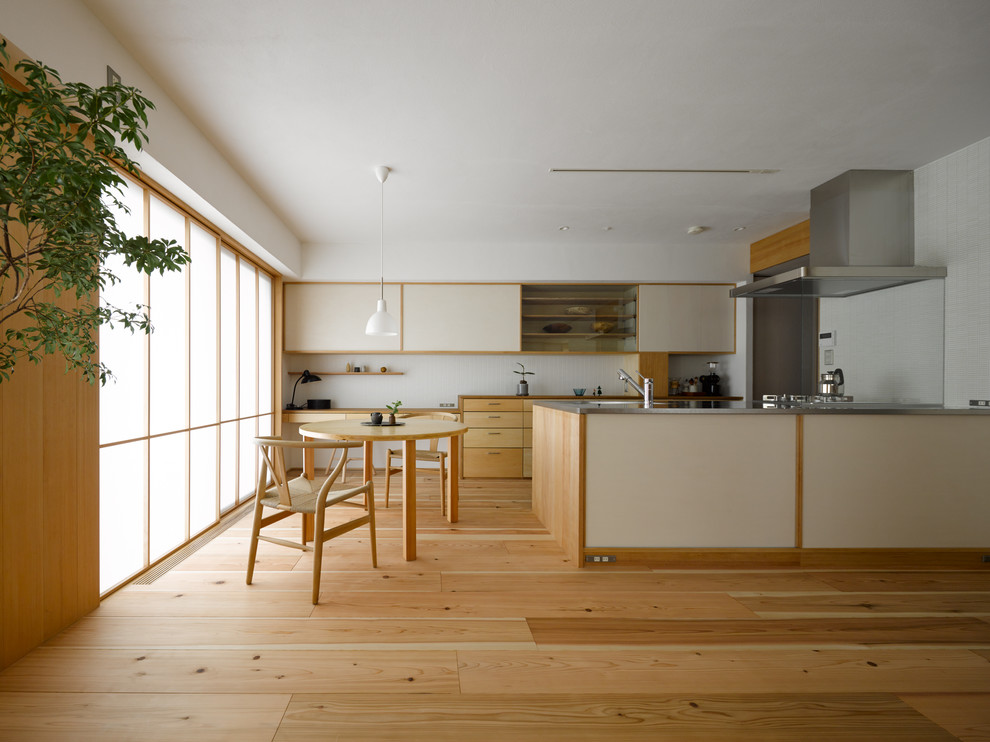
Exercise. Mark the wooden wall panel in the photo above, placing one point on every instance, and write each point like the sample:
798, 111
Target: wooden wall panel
656, 366
49, 500
22, 473
558, 473
787, 244
3, 563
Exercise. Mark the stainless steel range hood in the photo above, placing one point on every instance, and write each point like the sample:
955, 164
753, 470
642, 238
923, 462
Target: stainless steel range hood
862, 239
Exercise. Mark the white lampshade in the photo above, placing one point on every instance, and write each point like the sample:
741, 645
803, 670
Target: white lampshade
381, 322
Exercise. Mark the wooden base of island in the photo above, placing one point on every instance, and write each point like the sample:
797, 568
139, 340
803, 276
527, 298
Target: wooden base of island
723, 490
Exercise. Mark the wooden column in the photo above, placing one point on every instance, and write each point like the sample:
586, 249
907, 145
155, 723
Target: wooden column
49, 504
408, 499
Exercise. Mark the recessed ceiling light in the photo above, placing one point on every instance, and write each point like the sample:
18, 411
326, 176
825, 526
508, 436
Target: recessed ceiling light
738, 229
563, 227
696, 230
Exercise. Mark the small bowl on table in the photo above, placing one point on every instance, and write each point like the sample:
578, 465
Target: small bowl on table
579, 392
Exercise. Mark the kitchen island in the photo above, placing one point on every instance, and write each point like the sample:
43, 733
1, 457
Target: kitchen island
729, 483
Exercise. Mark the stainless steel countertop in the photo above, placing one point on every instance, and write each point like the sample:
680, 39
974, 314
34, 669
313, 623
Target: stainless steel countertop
754, 408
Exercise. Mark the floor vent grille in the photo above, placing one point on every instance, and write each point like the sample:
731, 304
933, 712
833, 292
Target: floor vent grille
169, 562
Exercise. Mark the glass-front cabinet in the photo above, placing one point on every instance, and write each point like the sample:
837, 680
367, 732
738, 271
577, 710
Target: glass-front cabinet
579, 318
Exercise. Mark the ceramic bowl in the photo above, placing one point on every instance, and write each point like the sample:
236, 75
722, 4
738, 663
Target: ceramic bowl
579, 392
603, 326
579, 310
557, 327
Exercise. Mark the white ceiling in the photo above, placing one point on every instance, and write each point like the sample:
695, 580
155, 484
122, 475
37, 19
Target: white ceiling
471, 102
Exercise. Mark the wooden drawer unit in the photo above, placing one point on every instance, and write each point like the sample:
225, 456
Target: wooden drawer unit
484, 405
492, 447
493, 419
493, 438
493, 462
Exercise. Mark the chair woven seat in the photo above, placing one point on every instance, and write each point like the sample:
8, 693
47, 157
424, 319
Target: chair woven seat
431, 454
308, 497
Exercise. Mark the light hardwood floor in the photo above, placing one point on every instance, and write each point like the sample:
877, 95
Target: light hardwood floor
492, 635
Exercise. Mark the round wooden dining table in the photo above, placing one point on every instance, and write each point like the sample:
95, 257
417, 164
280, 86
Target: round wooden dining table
407, 433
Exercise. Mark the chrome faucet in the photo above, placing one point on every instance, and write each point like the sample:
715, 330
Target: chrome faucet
646, 390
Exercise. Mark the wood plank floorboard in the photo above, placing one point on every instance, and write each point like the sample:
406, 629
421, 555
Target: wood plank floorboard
493, 634
273, 632
616, 718
148, 717
70, 670
724, 671
900, 581
870, 632
331, 581
648, 581
913, 604
966, 715
508, 604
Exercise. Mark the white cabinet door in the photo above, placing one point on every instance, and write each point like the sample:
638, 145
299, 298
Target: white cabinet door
687, 318
461, 317
321, 317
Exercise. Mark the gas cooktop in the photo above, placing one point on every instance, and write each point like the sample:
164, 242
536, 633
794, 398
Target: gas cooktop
803, 400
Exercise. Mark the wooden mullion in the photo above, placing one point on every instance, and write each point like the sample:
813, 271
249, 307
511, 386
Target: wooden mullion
189, 371
218, 389
146, 280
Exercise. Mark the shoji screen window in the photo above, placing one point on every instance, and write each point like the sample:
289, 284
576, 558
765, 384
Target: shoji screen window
177, 424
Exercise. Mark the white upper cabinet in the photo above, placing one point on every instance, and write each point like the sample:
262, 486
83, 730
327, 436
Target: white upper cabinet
327, 317
460, 317
687, 318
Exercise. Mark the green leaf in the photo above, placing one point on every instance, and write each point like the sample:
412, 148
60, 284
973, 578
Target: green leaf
59, 144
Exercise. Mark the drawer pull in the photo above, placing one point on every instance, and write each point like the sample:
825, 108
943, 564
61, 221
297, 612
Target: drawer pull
494, 453
492, 432
494, 417
494, 404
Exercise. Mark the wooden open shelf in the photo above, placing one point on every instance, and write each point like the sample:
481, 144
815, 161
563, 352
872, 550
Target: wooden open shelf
351, 373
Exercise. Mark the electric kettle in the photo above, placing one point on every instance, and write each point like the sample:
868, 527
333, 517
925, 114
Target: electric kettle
831, 383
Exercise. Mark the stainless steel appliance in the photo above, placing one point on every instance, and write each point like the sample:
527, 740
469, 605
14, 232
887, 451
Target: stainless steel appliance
832, 383
802, 401
862, 239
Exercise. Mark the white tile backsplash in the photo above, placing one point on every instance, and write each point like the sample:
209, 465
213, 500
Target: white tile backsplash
952, 228
428, 380
888, 343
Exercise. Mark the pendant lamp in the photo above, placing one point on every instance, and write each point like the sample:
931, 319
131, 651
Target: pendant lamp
381, 322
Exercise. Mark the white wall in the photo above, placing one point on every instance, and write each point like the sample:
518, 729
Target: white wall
65, 35
521, 263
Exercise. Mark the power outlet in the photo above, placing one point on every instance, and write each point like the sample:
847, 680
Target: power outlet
448, 404
597, 559
979, 403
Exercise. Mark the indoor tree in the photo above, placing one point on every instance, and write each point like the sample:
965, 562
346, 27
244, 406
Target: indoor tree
61, 159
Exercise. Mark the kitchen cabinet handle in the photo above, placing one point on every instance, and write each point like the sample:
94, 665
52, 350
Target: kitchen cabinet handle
494, 453
492, 432
494, 417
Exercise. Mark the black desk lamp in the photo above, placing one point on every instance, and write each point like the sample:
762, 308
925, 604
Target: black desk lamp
305, 379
